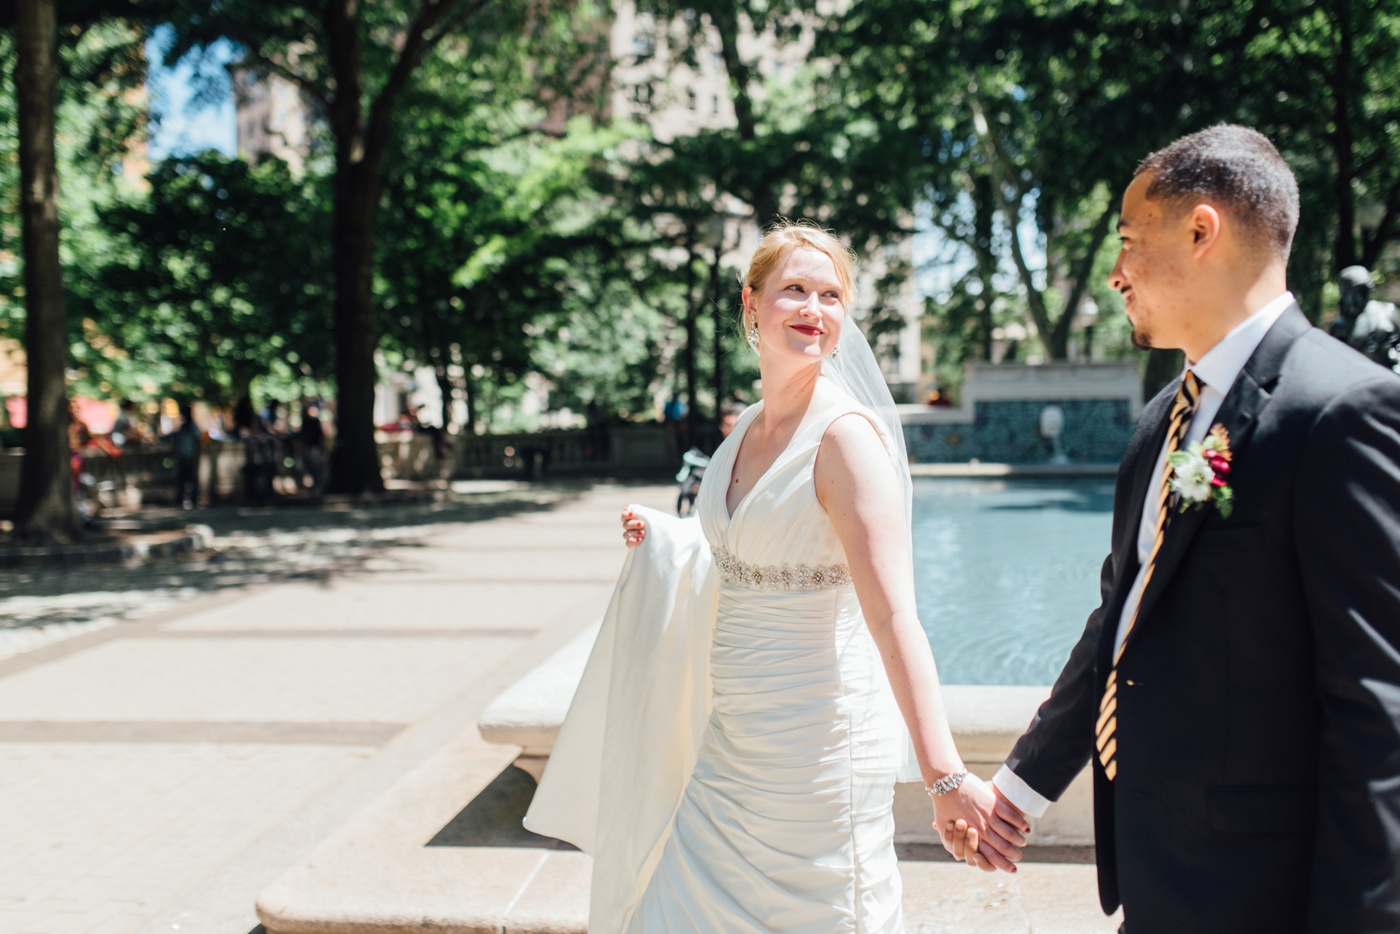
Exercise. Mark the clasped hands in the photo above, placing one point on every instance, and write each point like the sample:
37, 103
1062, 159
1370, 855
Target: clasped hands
980, 827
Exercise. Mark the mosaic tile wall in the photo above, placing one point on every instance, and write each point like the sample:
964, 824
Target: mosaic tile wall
1096, 432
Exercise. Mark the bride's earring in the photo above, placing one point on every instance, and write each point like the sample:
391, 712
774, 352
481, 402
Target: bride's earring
751, 332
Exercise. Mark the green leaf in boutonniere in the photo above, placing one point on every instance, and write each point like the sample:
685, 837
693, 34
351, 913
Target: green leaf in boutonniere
1224, 498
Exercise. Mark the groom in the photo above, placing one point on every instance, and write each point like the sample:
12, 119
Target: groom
1237, 692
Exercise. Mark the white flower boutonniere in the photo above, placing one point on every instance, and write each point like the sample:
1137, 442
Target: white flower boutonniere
1201, 473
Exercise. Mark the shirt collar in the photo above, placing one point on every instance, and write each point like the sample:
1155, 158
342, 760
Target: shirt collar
1220, 365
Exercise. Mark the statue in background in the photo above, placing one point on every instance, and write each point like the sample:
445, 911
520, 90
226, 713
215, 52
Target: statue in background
1372, 327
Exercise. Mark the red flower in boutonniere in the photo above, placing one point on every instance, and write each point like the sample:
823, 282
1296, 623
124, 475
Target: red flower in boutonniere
1202, 472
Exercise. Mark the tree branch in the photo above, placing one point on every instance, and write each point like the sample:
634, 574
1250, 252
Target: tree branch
1385, 231
1084, 270
1010, 207
342, 23
417, 44
307, 86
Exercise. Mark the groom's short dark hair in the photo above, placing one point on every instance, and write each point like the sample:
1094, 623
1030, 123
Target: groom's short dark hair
1235, 167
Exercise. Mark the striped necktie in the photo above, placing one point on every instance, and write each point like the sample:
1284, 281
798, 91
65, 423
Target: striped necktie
1182, 409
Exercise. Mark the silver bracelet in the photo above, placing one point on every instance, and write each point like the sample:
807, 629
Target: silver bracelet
946, 784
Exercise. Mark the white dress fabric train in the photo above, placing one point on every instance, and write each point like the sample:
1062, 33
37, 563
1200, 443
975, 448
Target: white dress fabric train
784, 823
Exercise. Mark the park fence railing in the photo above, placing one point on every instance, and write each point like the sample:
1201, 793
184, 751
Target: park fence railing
631, 450
146, 474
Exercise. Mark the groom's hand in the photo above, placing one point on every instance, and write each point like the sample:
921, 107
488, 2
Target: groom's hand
1009, 827
999, 848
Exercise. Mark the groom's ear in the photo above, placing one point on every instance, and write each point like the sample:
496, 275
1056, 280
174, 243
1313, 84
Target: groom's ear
1206, 225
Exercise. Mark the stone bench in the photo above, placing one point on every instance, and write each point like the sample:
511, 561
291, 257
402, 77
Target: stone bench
986, 722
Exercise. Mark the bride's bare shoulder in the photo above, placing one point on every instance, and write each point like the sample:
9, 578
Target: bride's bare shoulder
852, 456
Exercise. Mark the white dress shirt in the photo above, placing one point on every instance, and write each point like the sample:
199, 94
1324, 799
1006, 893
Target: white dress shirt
1217, 371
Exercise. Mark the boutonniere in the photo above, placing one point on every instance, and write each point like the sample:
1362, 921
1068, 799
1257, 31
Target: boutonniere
1202, 472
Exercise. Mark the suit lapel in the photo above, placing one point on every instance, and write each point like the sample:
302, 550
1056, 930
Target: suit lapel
1239, 412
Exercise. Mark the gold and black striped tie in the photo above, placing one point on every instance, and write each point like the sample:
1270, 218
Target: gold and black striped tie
1182, 410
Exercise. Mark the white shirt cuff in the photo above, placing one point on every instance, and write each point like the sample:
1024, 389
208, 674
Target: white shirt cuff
1031, 802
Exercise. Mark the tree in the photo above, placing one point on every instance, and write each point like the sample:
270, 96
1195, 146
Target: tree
221, 277
1021, 107
1323, 84
45, 495
482, 255
1344, 55
698, 191
754, 169
354, 62
46, 61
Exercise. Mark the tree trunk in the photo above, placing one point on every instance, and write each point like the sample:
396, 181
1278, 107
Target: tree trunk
45, 510
984, 219
718, 341
1343, 145
1162, 367
469, 392
694, 298
445, 389
355, 462
355, 459
725, 17
1009, 198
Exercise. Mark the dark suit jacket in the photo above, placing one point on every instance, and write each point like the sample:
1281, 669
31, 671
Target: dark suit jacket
1258, 786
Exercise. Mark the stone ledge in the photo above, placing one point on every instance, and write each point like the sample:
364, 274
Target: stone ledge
976, 470
380, 874
986, 722
528, 713
474, 891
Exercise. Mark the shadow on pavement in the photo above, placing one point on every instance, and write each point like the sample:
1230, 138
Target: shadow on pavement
254, 546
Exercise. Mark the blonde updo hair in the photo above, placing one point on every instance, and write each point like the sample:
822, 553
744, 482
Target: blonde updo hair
783, 236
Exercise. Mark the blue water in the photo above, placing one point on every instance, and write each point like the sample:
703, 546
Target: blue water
1006, 573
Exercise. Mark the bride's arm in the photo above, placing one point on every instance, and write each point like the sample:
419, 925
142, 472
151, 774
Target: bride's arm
857, 485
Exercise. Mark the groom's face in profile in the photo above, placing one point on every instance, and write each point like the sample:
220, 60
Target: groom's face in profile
1153, 271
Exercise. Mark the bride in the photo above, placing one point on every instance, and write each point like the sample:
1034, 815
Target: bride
731, 754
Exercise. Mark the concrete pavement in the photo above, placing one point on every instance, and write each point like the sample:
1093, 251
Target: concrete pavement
190, 731
186, 731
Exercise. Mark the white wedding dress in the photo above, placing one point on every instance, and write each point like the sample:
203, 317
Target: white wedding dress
786, 823
781, 747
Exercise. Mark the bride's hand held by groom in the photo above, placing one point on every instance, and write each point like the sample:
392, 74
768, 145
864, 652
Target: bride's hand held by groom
997, 846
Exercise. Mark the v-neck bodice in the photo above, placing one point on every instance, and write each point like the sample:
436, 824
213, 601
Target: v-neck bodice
779, 521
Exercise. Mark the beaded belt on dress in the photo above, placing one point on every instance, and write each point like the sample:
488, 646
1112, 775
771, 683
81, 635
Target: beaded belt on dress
780, 577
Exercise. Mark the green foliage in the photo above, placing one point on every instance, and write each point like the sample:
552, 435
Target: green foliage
1055, 102
220, 278
1324, 78
514, 240
488, 257
100, 142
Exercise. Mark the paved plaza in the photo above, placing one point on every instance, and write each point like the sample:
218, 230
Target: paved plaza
174, 737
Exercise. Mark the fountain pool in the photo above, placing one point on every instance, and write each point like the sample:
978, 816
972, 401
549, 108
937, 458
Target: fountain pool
1007, 572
